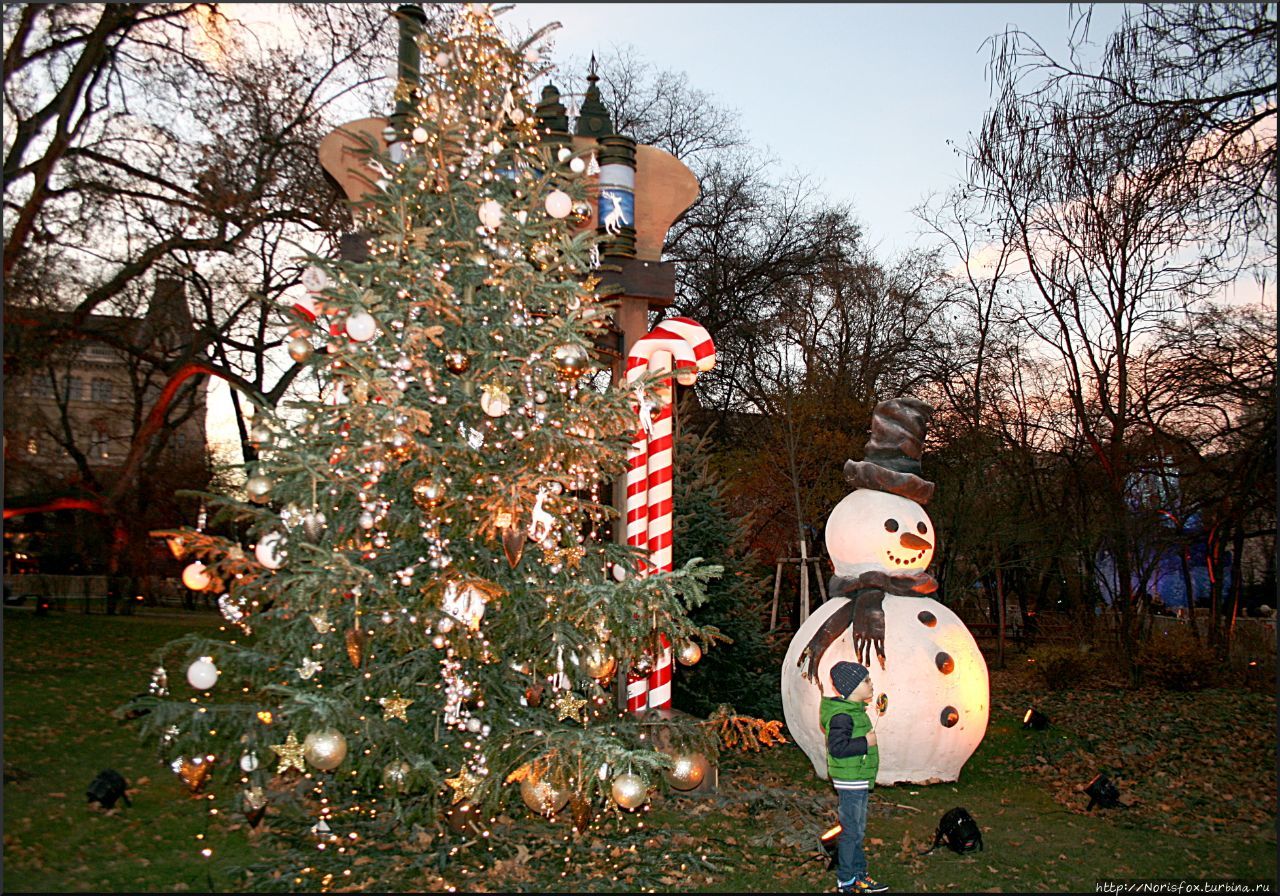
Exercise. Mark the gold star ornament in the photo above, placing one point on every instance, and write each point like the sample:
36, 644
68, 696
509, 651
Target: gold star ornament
395, 707
290, 753
464, 785
570, 706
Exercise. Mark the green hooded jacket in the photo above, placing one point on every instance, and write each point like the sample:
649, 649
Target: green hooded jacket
852, 768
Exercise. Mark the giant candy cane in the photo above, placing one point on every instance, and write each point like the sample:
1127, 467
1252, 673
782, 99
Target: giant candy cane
682, 346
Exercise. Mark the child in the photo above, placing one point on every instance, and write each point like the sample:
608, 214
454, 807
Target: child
852, 761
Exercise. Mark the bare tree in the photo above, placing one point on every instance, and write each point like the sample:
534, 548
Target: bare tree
153, 140
1111, 223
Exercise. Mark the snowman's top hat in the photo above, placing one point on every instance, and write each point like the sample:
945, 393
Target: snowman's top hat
893, 452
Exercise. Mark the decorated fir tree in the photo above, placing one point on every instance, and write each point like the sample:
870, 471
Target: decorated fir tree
427, 610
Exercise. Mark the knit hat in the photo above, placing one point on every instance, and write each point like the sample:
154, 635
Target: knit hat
847, 676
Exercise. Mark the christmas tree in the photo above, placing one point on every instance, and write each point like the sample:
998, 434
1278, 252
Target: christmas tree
428, 608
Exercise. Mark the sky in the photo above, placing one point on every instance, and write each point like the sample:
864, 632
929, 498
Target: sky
862, 97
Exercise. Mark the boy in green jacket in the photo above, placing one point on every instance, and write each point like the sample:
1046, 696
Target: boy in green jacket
852, 762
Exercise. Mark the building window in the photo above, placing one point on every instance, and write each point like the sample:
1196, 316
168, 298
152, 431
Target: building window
42, 386
98, 352
98, 445
102, 390
75, 388
179, 441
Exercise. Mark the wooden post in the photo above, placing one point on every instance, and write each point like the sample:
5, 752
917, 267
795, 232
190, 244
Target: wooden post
777, 591
999, 611
804, 581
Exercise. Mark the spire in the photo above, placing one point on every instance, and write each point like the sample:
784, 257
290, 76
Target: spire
593, 120
551, 112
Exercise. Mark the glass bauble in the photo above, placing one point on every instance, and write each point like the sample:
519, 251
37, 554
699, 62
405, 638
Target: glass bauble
325, 749
541, 797
630, 791
688, 770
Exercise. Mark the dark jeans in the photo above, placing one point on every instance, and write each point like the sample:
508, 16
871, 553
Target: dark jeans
851, 859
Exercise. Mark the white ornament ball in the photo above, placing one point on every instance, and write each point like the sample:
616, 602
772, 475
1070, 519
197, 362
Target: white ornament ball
196, 576
270, 550
473, 725
563, 153
577, 166
202, 674
559, 204
419, 134
630, 791
495, 402
314, 279
490, 213
260, 434
325, 749
249, 762
517, 115
361, 326
541, 797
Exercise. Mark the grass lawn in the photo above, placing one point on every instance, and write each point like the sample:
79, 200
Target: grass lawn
1198, 768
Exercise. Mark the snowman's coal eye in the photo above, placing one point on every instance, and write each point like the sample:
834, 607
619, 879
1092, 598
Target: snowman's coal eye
921, 528
891, 525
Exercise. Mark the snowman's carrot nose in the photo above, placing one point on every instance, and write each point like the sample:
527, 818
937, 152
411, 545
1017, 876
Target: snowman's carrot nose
913, 542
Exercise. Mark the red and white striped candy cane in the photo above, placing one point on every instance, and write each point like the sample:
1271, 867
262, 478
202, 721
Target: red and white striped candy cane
685, 345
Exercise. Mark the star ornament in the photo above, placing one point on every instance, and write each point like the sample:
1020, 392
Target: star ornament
290, 753
570, 706
395, 707
464, 785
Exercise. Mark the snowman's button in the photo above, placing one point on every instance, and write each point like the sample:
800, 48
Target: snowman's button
927, 618
945, 663
949, 717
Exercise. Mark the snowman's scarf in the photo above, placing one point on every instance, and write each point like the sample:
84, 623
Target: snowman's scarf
903, 584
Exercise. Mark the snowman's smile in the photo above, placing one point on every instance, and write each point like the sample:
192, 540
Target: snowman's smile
916, 546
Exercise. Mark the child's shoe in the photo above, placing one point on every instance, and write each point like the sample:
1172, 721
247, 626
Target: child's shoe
868, 884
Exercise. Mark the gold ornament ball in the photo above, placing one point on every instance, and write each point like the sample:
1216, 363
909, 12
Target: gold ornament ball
300, 348
571, 360
395, 777
196, 576
457, 361
688, 770
541, 797
599, 663
325, 749
630, 791
464, 818
259, 488
427, 493
689, 653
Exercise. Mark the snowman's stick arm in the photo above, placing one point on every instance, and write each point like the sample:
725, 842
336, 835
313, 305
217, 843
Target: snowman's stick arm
827, 634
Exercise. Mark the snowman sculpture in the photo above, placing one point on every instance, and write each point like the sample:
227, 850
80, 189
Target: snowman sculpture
932, 699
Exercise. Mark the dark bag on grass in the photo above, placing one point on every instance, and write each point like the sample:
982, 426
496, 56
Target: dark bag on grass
108, 787
959, 831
